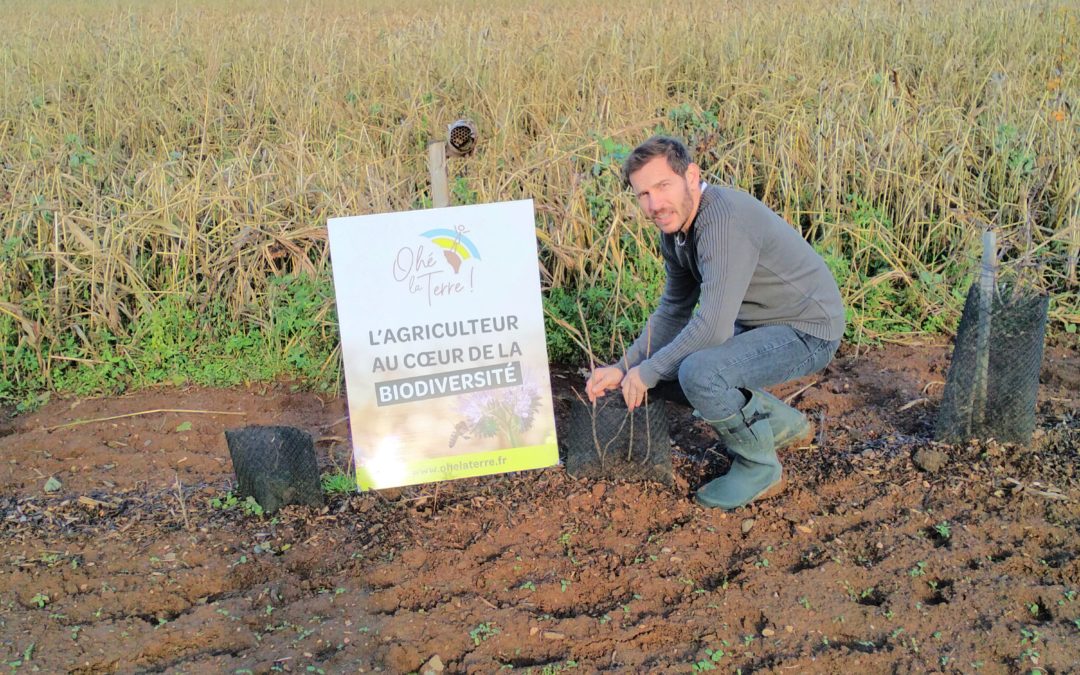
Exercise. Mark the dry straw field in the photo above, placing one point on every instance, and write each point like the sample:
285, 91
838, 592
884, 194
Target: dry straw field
167, 169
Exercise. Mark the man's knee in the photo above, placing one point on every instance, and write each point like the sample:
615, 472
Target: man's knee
698, 380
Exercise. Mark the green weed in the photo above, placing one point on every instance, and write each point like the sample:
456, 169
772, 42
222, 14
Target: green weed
230, 501
712, 657
338, 483
482, 632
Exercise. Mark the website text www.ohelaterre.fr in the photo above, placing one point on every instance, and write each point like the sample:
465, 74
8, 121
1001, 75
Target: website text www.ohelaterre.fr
460, 465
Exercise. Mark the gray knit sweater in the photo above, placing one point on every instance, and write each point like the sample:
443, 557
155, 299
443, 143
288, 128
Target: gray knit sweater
739, 262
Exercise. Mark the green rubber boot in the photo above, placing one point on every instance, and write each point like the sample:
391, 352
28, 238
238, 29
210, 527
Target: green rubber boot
789, 426
755, 470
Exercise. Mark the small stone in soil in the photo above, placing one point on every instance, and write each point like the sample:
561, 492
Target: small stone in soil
433, 666
930, 461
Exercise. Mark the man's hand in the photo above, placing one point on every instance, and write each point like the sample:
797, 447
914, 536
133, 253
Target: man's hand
601, 380
633, 389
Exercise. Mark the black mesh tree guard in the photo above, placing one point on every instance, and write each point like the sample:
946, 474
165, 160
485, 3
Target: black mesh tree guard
993, 380
608, 441
275, 465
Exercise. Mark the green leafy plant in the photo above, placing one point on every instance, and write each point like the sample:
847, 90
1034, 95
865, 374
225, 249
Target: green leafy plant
463, 194
482, 632
230, 501
225, 503
251, 507
1030, 654
712, 657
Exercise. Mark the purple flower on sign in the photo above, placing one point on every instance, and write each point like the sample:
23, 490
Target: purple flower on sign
473, 406
506, 412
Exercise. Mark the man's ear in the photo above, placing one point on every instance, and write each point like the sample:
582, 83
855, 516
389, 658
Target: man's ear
693, 174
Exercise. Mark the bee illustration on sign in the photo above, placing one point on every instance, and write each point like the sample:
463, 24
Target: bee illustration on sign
456, 247
462, 431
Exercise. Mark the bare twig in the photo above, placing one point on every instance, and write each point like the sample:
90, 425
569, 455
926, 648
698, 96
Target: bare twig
648, 427
796, 395
77, 423
821, 430
585, 335
912, 404
926, 388
180, 498
601, 448
1021, 487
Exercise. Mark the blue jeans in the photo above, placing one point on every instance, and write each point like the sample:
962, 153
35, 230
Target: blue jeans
710, 379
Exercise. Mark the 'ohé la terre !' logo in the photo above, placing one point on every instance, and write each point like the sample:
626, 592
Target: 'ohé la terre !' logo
438, 268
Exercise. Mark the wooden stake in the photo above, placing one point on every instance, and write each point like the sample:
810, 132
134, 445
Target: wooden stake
987, 284
440, 190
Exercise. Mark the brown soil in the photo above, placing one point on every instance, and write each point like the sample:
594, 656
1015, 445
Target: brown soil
867, 563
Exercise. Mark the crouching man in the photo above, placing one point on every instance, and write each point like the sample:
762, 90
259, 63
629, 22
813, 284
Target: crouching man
768, 311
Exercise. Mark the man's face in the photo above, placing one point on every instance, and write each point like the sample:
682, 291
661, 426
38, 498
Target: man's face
668, 199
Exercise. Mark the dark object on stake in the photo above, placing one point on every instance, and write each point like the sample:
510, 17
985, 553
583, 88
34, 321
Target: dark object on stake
608, 441
275, 465
462, 137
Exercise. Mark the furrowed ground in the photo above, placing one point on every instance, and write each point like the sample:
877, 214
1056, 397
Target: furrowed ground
887, 552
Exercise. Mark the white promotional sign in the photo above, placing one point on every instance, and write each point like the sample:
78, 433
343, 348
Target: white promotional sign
442, 336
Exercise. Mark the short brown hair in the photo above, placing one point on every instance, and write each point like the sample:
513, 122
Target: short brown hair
672, 149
